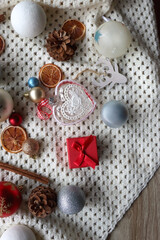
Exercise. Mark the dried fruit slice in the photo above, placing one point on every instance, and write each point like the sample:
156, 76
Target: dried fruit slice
12, 138
75, 28
2, 18
2, 45
50, 75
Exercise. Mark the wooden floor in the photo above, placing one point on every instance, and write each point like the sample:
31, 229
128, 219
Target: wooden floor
142, 221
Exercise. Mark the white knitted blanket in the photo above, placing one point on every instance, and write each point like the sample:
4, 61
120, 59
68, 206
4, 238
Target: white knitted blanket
129, 156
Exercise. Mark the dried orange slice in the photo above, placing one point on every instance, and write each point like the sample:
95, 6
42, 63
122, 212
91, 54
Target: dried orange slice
50, 75
2, 18
75, 28
12, 138
2, 45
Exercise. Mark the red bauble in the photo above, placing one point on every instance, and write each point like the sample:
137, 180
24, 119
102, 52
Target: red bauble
10, 199
15, 119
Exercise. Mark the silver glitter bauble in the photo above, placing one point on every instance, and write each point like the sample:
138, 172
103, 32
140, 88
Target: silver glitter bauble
70, 200
6, 105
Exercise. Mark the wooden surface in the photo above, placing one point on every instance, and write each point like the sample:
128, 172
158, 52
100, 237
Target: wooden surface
142, 221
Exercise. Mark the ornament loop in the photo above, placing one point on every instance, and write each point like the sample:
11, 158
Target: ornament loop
42, 114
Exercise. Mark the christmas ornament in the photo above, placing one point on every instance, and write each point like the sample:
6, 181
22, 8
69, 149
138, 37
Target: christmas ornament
28, 19
82, 152
112, 39
18, 232
33, 82
114, 114
60, 46
70, 199
73, 103
36, 94
50, 75
75, 28
6, 105
111, 75
30, 146
12, 138
15, 119
42, 201
10, 199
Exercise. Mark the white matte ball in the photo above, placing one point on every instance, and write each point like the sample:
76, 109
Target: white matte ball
112, 39
18, 232
6, 105
28, 19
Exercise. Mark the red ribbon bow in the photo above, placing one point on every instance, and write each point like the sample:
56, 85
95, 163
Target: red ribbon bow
41, 113
83, 156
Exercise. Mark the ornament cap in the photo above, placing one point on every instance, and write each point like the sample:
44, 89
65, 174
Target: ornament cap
105, 19
26, 95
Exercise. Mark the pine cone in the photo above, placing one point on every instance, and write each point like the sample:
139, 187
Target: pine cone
42, 201
60, 46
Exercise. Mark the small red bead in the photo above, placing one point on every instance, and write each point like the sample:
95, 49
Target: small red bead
15, 119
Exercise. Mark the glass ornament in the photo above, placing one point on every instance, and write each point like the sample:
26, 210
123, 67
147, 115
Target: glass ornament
112, 39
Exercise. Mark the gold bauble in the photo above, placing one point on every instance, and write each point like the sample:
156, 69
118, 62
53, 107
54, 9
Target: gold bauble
36, 94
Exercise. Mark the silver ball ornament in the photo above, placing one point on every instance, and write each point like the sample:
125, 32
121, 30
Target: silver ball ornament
114, 114
112, 39
6, 105
70, 200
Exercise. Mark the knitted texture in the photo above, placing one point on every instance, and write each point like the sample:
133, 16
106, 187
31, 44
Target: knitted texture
128, 155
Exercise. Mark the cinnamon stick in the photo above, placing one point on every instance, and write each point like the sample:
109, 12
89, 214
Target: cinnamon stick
25, 173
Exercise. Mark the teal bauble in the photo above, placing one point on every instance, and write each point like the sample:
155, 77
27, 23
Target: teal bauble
33, 82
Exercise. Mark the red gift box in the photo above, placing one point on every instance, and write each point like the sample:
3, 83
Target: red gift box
82, 152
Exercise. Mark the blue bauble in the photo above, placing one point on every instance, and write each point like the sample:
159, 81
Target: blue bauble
70, 200
33, 82
114, 114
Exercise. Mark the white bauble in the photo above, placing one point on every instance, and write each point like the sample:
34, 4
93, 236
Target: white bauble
18, 232
28, 19
6, 105
112, 39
